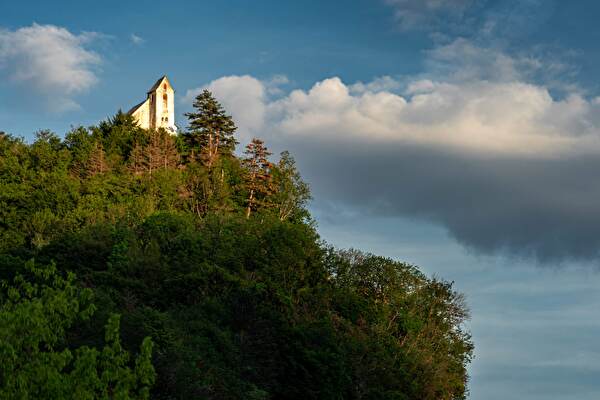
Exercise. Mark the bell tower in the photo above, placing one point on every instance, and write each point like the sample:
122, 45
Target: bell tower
158, 110
162, 105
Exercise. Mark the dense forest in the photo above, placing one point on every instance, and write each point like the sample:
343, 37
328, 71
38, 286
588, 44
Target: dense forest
141, 264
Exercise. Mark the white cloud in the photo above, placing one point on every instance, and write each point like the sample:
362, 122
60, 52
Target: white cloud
273, 85
384, 83
50, 60
482, 117
243, 95
136, 40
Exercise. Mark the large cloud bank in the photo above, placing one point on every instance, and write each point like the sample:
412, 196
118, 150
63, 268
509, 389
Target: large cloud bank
502, 165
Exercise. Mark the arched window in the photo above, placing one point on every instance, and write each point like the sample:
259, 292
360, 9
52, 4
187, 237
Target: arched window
165, 86
165, 101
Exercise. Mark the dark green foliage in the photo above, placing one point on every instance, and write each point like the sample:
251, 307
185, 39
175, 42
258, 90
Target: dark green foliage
258, 178
237, 307
292, 194
36, 313
210, 130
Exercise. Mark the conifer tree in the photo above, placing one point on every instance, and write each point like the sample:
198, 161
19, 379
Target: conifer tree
258, 174
159, 152
210, 129
80, 143
137, 159
97, 162
118, 133
153, 152
169, 156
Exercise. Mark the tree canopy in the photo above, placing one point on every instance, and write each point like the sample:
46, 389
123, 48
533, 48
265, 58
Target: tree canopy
140, 264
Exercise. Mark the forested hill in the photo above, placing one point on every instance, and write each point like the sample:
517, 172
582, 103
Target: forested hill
138, 264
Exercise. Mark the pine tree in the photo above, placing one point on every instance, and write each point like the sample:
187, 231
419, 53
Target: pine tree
169, 156
81, 144
118, 133
137, 160
210, 129
97, 162
159, 152
258, 174
153, 152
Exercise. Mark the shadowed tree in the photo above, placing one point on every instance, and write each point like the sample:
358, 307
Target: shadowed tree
36, 314
137, 161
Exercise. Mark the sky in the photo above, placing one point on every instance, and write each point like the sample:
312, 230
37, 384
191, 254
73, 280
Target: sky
462, 136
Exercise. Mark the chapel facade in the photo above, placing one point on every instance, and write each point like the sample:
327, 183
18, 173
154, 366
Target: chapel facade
158, 110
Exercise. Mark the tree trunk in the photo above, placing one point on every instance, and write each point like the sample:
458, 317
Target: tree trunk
250, 200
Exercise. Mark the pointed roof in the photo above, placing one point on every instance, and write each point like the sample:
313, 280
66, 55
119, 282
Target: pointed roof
158, 83
136, 107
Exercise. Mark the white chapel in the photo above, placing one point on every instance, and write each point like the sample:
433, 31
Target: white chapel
158, 110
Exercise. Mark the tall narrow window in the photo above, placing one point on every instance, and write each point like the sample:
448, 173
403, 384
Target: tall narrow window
165, 101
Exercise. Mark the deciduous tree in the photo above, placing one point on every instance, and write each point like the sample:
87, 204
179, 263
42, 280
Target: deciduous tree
292, 194
35, 315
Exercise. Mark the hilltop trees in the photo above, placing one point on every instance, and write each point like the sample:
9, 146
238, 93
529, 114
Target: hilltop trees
36, 314
210, 140
154, 151
97, 161
210, 130
215, 258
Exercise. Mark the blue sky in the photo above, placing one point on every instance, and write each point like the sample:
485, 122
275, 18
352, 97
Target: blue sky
459, 135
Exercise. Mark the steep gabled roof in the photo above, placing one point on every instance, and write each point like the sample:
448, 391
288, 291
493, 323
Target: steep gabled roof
158, 83
136, 107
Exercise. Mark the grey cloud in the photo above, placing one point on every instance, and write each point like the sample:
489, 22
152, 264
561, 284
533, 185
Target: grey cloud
504, 167
482, 39
548, 209
512, 19
464, 60
488, 20
535, 329
423, 14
